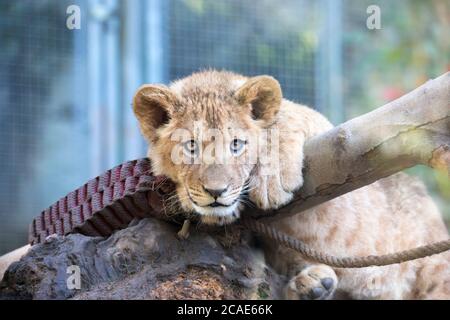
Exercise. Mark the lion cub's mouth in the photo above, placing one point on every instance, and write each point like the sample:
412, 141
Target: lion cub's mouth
216, 204
217, 209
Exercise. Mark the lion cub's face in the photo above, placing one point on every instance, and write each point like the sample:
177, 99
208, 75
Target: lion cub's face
204, 133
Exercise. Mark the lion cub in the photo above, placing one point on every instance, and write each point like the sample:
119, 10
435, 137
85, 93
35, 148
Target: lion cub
227, 140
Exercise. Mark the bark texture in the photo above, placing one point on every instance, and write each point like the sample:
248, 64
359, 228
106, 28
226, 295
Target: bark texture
144, 261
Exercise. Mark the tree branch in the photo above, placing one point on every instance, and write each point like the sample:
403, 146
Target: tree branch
412, 130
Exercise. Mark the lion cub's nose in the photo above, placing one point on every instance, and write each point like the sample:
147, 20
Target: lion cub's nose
215, 192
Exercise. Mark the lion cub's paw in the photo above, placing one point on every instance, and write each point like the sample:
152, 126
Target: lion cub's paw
315, 282
270, 199
292, 180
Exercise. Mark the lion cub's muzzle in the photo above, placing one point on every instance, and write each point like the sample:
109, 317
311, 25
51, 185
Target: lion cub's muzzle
214, 204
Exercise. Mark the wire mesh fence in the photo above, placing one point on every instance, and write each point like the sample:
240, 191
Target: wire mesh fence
37, 114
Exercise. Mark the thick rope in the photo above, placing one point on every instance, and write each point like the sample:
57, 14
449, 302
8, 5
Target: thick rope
344, 262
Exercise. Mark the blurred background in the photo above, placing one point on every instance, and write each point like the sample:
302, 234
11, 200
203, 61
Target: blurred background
65, 113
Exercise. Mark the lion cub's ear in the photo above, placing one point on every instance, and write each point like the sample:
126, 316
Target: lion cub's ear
263, 94
153, 106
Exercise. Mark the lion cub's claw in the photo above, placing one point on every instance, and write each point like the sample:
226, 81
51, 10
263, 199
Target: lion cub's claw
183, 234
316, 282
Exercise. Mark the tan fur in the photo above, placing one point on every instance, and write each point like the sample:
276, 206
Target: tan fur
390, 215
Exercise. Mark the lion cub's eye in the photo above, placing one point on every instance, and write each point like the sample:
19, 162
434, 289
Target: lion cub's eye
237, 147
190, 148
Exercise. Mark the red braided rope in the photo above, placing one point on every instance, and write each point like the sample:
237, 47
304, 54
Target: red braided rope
104, 204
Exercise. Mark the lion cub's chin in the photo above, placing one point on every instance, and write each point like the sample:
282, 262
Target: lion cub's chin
219, 215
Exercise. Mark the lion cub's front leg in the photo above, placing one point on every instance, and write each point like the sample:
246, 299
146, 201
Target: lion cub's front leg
314, 282
274, 183
274, 188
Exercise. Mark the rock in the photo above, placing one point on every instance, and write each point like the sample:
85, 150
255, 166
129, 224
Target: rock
144, 261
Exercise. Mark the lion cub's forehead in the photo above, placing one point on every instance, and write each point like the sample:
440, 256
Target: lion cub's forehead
207, 130
209, 97
213, 109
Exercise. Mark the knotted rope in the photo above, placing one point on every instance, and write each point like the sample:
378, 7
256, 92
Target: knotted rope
112, 200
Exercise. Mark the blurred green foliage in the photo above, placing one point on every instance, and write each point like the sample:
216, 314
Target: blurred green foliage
412, 46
